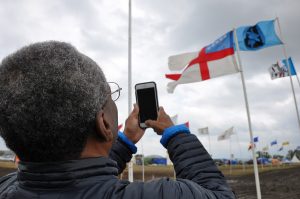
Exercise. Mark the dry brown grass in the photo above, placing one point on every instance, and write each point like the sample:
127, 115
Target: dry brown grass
152, 172
7, 164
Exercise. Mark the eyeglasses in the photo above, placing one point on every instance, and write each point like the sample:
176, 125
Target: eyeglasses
115, 90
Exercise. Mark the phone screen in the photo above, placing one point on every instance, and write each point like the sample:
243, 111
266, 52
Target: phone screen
147, 104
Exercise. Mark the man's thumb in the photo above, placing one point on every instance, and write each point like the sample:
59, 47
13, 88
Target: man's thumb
151, 123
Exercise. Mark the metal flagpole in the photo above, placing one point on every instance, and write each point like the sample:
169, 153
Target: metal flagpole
238, 141
289, 70
230, 156
257, 183
130, 169
209, 144
143, 164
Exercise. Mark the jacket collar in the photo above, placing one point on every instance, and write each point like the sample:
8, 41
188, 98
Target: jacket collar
61, 174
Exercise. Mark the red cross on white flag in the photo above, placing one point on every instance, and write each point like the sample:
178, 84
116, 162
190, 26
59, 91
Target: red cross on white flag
214, 60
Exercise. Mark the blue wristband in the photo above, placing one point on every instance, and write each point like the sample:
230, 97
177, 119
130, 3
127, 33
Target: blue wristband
171, 132
128, 142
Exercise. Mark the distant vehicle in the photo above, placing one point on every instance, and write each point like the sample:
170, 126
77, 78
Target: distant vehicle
249, 162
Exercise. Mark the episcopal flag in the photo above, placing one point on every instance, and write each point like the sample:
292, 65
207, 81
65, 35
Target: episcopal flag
261, 35
187, 124
203, 131
226, 134
281, 70
174, 119
274, 142
285, 143
120, 126
255, 139
214, 60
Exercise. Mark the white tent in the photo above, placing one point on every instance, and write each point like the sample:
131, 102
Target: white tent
295, 159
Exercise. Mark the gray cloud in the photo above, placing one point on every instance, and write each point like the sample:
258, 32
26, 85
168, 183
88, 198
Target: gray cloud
164, 28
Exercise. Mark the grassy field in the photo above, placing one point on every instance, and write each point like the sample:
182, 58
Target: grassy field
7, 164
152, 172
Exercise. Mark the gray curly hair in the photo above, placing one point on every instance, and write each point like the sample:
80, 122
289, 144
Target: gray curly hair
49, 97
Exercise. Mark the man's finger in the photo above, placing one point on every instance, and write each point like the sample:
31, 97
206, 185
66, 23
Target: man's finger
135, 109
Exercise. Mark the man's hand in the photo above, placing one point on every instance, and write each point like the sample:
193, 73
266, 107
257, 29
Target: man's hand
132, 130
163, 121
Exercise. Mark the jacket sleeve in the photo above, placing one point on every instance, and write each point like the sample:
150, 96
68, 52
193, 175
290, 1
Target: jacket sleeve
193, 163
7, 181
197, 175
120, 153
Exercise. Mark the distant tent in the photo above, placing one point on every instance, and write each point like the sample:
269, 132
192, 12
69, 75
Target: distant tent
157, 159
263, 161
295, 159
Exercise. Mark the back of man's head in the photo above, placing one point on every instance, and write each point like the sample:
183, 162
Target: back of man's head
49, 97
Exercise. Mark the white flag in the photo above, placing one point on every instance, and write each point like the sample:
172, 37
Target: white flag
174, 119
203, 131
226, 134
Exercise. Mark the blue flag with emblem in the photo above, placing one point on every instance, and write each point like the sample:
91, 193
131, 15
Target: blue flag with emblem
274, 142
291, 64
255, 139
259, 36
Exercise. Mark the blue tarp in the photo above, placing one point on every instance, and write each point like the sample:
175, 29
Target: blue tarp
161, 161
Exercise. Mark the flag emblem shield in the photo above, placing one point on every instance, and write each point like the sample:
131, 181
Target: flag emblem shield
254, 38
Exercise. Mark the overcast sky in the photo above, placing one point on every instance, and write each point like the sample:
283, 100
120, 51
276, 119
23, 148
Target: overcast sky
161, 28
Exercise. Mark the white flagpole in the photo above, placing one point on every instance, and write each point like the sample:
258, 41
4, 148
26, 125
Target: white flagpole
238, 141
257, 183
289, 70
143, 164
130, 166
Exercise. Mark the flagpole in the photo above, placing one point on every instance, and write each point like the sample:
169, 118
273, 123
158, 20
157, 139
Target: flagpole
130, 165
257, 183
209, 144
289, 70
238, 141
143, 164
230, 168
261, 159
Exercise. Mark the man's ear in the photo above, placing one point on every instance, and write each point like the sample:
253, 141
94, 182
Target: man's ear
103, 127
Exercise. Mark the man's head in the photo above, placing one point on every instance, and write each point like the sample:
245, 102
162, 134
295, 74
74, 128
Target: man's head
52, 99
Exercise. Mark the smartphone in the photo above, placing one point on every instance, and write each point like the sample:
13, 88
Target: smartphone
146, 98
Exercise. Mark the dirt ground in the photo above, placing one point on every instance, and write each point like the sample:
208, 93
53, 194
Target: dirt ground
279, 183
